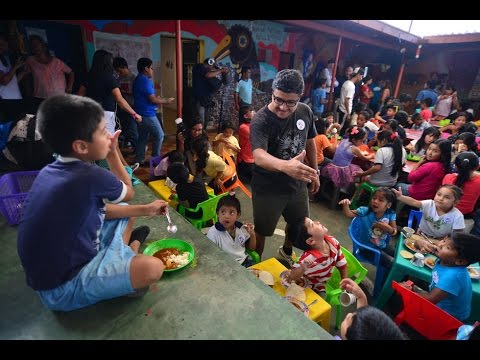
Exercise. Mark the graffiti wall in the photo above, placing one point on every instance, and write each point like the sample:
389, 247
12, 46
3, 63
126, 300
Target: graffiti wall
234, 43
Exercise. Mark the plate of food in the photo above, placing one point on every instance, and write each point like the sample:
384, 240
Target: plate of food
264, 276
414, 157
300, 305
416, 237
410, 244
174, 253
406, 254
284, 277
430, 261
474, 272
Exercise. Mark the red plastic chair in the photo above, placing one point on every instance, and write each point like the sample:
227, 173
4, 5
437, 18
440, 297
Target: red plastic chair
425, 317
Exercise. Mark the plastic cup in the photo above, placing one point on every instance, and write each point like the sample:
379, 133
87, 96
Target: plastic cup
347, 299
408, 231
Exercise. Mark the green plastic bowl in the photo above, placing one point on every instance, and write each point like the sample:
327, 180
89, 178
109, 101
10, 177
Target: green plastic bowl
444, 122
414, 157
171, 243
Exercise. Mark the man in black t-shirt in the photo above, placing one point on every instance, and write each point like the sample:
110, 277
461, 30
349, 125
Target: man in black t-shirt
281, 134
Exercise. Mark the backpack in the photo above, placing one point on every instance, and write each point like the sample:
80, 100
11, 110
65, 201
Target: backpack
25, 146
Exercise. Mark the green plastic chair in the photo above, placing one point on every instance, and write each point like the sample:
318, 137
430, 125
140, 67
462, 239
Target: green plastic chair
209, 208
356, 272
364, 187
253, 255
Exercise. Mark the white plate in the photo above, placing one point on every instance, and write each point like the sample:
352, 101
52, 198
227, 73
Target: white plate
430, 265
300, 305
284, 275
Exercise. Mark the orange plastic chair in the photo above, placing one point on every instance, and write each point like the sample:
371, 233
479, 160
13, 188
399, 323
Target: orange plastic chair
228, 159
425, 317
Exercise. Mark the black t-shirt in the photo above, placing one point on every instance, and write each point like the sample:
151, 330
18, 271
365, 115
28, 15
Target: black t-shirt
99, 88
282, 138
194, 192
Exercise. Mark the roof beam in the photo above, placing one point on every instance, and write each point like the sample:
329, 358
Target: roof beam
310, 24
450, 39
389, 30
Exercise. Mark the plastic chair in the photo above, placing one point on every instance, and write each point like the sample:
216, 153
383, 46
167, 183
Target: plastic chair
362, 189
425, 317
154, 161
358, 232
209, 211
253, 255
414, 219
356, 272
228, 159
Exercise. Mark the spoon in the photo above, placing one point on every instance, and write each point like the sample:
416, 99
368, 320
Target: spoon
171, 228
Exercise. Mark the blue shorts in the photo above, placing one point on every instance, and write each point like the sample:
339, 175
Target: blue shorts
106, 276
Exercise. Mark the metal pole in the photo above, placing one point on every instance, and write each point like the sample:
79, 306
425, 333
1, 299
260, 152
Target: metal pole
399, 79
179, 67
334, 73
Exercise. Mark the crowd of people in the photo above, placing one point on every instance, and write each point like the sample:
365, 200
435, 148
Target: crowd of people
283, 150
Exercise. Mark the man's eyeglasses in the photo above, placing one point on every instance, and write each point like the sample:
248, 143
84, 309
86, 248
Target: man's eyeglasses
289, 103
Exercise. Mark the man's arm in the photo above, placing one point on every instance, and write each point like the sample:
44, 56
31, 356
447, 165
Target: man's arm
70, 79
294, 167
311, 148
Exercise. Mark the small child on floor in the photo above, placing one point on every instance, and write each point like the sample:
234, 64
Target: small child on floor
231, 235
316, 264
173, 156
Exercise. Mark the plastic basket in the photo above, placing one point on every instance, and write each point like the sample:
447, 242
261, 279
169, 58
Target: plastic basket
14, 188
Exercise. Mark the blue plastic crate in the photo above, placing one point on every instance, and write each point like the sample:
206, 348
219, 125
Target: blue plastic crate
14, 188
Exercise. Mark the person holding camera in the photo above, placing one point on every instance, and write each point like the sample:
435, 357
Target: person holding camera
205, 84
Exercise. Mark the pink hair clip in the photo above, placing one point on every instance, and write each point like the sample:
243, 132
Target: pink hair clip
394, 135
354, 131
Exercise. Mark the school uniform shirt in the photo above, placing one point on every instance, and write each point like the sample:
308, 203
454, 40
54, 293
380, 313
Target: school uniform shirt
64, 214
234, 247
321, 267
438, 226
457, 283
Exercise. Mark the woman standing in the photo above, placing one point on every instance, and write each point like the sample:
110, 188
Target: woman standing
102, 87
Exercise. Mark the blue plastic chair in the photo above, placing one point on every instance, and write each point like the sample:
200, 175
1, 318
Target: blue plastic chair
358, 232
414, 219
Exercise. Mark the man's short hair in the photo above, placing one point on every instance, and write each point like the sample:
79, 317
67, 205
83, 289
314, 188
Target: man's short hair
119, 63
289, 81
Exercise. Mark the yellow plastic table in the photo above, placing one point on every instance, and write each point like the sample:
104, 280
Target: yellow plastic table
319, 312
164, 192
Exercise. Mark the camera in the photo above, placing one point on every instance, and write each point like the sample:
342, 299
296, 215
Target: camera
181, 127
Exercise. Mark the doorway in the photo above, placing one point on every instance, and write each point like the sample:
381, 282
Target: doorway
168, 76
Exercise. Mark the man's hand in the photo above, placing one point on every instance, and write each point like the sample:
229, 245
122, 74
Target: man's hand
296, 169
156, 207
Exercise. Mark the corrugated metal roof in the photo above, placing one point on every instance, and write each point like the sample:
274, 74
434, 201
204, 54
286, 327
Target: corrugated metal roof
432, 28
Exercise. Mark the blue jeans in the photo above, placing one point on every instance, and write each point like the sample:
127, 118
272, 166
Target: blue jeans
148, 125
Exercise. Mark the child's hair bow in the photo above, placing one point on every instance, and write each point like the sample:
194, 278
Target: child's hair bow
354, 131
394, 135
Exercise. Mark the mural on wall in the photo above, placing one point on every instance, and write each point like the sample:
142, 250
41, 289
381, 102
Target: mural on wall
233, 43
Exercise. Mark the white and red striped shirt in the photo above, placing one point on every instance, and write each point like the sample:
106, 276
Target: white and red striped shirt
321, 267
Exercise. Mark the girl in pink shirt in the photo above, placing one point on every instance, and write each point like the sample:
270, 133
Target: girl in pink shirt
428, 176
